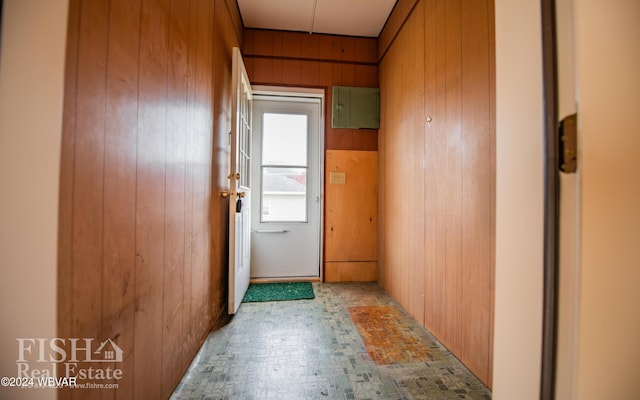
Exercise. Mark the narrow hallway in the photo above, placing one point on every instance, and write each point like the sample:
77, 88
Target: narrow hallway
312, 349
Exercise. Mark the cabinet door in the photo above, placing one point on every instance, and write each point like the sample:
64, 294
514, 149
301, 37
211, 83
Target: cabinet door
355, 107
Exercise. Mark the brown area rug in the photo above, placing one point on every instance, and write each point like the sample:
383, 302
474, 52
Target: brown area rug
386, 339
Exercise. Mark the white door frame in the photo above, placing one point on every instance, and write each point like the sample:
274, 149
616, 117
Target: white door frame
285, 91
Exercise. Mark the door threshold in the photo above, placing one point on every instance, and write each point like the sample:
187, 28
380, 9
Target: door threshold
294, 279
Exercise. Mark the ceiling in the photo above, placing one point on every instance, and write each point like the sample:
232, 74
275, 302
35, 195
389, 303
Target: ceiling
338, 17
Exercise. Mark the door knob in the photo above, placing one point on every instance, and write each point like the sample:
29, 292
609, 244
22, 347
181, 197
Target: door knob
224, 194
241, 194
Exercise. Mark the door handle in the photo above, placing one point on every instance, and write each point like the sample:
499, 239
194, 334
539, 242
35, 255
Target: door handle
272, 231
226, 193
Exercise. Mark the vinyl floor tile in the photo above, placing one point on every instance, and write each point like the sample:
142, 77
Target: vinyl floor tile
311, 349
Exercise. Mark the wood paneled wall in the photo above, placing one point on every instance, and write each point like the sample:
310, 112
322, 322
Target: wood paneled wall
401, 11
437, 179
351, 216
142, 254
321, 61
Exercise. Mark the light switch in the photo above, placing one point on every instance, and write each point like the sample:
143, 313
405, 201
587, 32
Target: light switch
337, 178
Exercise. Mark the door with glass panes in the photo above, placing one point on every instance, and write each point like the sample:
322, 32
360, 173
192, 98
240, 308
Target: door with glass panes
286, 171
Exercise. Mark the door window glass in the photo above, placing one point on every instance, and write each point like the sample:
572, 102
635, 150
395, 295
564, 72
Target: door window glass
284, 168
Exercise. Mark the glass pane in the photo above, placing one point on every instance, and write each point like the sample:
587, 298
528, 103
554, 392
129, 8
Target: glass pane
245, 143
284, 194
284, 139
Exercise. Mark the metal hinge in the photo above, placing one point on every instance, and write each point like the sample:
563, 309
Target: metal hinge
568, 147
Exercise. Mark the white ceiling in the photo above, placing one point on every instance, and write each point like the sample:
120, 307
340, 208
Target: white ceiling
339, 17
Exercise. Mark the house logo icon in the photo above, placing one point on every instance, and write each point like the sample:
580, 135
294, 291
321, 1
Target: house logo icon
108, 352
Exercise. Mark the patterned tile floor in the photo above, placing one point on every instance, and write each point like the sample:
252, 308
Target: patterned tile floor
311, 349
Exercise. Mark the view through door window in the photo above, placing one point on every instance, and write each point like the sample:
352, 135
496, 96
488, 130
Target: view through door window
284, 168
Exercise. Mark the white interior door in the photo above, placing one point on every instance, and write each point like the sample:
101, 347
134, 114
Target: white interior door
286, 211
239, 185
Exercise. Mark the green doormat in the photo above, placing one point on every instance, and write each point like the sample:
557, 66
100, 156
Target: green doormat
280, 291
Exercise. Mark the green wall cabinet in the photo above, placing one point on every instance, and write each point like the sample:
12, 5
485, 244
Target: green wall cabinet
355, 107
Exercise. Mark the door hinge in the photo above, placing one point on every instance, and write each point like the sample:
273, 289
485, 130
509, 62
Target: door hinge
568, 146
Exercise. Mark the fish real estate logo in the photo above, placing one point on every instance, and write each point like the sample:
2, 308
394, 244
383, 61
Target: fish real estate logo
82, 359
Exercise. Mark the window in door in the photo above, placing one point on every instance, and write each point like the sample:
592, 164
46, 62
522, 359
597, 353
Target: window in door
284, 168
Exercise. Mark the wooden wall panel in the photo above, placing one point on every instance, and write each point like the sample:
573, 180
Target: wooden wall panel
417, 164
119, 260
434, 300
395, 22
189, 309
437, 238
298, 59
87, 281
452, 206
174, 240
67, 161
142, 257
354, 201
351, 221
150, 188
404, 167
350, 271
477, 203
224, 40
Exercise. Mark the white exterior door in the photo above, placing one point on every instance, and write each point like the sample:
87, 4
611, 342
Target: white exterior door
286, 212
239, 185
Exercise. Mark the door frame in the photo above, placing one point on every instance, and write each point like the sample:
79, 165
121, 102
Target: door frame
285, 91
551, 201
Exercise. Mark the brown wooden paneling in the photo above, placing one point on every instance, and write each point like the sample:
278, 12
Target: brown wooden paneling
142, 256
174, 240
224, 42
351, 207
87, 280
321, 61
119, 259
417, 167
350, 271
433, 292
235, 19
452, 229
188, 308
476, 201
150, 198
394, 23
66, 211
437, 179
